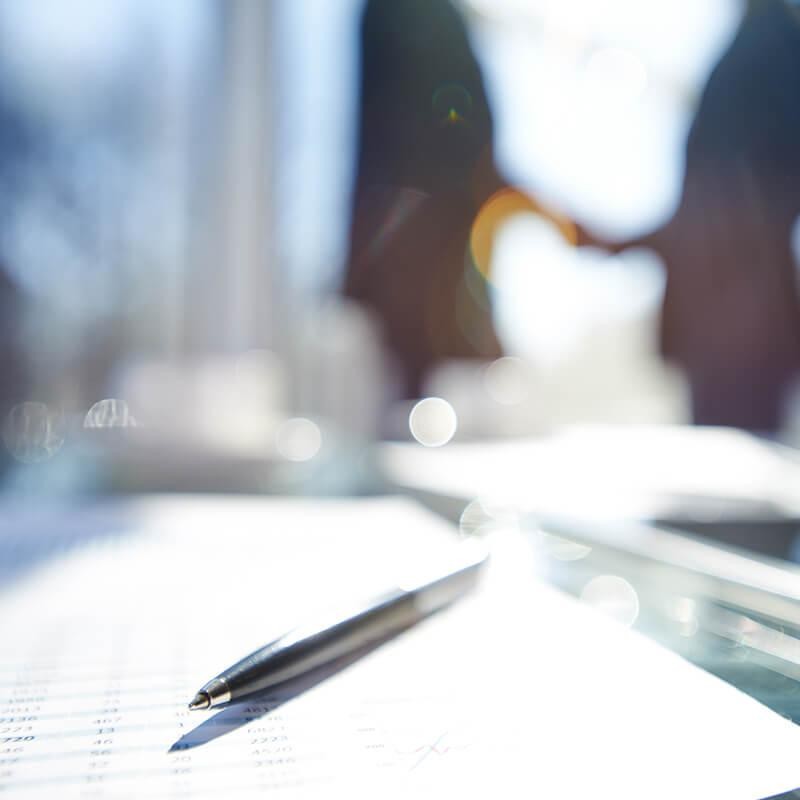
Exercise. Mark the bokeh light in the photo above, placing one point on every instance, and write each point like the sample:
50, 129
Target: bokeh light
109, 413
508, 381
563, 549
33, 432
433, 422
474, 518
612, 596
298, 439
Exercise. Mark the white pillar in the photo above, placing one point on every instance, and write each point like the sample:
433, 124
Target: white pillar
231, 286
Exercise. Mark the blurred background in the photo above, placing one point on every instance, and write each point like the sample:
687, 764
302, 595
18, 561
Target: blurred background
526, 260
241, 239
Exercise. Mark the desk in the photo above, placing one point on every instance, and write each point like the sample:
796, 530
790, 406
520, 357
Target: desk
728, 641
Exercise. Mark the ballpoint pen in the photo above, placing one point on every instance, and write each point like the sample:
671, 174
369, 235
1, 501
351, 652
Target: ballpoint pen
324, 640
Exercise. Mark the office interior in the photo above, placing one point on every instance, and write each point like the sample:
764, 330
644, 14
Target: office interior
531, 263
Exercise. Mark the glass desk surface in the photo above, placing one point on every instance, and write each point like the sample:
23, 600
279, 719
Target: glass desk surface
756, 649
739, 621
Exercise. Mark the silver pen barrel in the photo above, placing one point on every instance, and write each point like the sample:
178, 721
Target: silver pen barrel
333, 636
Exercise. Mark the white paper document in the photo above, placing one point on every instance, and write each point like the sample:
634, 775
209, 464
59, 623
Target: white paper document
516, 691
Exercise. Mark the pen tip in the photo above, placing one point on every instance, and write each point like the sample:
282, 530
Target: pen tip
200, 700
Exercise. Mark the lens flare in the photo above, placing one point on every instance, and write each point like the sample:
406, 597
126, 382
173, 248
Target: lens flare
499, 209
452, 104
404, 206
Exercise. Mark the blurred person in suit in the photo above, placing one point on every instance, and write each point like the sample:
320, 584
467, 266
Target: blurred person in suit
426, 169
730, 316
